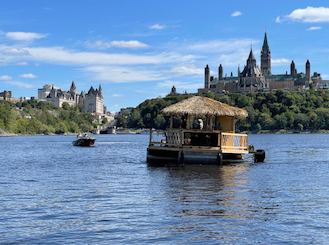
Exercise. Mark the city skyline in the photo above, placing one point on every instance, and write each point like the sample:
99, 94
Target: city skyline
138, 50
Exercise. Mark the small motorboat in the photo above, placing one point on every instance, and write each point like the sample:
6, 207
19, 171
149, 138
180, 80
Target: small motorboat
84, 140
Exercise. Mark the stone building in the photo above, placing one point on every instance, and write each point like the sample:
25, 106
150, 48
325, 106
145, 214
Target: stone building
92, 102
5, 95
253, 78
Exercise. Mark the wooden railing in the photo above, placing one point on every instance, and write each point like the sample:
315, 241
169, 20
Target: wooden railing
170, 137
234, 143
174, 137
226, 143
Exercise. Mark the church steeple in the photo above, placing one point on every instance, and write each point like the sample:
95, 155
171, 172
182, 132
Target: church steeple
265, 58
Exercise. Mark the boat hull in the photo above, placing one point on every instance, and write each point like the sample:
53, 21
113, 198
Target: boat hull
162, 156
84, 142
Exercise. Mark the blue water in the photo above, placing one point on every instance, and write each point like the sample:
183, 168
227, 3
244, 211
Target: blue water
54, 193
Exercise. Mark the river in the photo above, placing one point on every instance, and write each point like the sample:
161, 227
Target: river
54, 193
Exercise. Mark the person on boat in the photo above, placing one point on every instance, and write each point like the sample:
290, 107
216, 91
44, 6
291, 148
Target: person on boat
200, 123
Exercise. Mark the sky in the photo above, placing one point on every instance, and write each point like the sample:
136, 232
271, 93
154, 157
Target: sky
139, 49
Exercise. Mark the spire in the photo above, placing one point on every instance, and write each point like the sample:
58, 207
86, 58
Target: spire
265, 44
251, 58
73, 87
251, 55
265, 58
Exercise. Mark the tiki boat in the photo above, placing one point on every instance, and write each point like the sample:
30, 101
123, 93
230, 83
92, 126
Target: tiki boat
201, 131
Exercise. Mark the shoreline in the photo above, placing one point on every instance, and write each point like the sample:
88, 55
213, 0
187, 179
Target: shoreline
139, 131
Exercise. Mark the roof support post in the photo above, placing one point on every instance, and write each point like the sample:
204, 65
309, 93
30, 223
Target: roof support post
171, 122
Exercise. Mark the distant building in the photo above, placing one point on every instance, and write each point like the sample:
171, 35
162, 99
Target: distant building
45, 91
92, 102
5, 95
253, 78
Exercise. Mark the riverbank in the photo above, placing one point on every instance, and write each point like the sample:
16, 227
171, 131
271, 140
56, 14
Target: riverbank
146, 131
133, 131
284, 131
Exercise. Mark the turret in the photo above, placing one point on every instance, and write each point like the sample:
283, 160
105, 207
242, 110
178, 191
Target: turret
293, 71
73, 88
308, 70
265, 58
206, 77
220, 72
100, 90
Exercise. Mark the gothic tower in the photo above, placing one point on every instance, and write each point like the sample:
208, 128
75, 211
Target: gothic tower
73, 88
220, 72
265, 58
100, 90
308, 70
251, 61
206, 77
293, 71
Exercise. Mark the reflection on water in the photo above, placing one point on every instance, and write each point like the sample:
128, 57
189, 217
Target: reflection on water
52, 192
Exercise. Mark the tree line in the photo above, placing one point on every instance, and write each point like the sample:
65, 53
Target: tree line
306, 110
35, 117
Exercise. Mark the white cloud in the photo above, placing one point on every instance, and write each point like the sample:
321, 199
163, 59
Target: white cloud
20, 84
187, 70
314, 28
229, 52
228, 45
122, 74
25, 36
22, 63
28, 76
278, 19
102, 44
307, 15
116, 95
62, 56
157, 26
236, 14
129, 44
5, 78
281, 61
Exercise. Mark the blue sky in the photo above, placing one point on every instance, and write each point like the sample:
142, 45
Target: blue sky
139, 49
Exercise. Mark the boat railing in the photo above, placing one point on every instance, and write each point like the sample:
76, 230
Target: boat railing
172, 137
227, 142
234, 143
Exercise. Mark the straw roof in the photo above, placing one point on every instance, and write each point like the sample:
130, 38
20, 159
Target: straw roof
198, 106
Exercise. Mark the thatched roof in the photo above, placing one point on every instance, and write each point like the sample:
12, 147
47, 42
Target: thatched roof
199, 106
